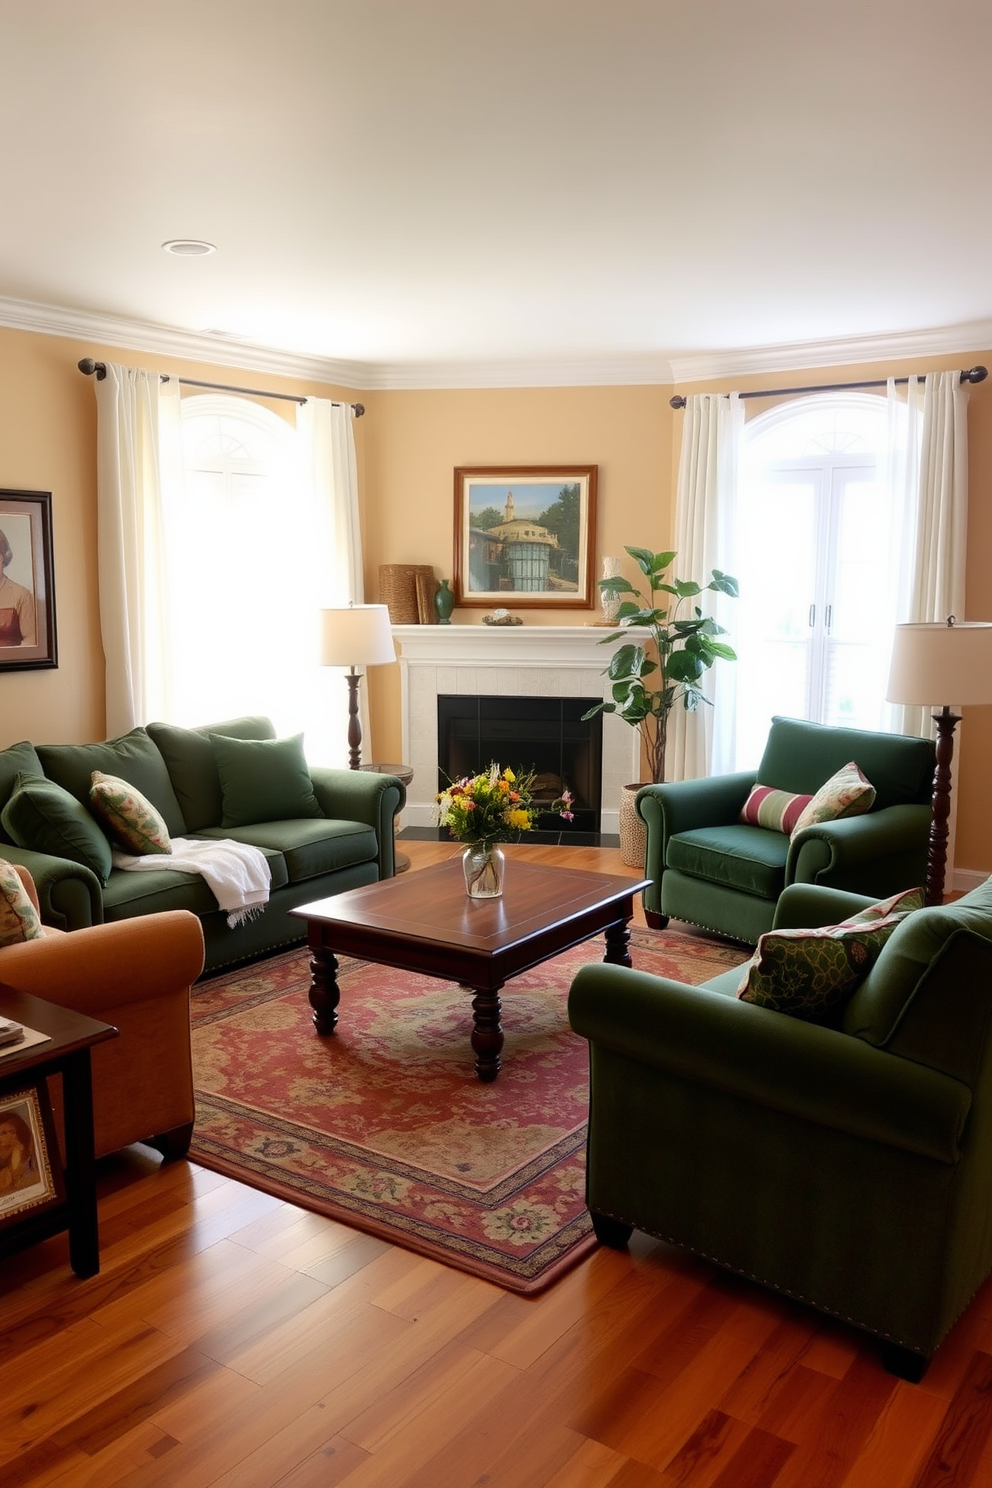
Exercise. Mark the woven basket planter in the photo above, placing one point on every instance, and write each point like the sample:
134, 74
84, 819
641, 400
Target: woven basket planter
633, 832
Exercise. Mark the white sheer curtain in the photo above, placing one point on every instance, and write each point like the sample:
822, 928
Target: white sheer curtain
149, 522
137, 446
702, 743
329, 462
936, 472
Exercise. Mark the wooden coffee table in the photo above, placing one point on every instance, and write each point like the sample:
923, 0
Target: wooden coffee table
426, 922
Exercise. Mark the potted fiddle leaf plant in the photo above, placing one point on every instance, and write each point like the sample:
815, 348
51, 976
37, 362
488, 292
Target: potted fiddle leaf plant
665, 670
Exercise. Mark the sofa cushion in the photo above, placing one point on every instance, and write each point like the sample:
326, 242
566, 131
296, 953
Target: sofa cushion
133, 757
776, 810
189, 759
18, 759
847, 793
129, 817
308, 848
128, 894
877, 1006
40, 815
811, 974
739, 857
18, 917
263, 780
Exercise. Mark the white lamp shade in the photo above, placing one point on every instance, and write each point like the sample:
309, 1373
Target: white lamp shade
356, 635
935, 664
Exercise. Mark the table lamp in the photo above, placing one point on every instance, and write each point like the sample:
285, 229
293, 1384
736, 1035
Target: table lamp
932, 660
356, 636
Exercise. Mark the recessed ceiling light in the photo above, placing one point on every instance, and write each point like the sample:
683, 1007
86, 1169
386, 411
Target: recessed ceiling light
188, 247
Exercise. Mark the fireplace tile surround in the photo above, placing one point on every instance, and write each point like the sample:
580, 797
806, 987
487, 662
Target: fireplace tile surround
512, 661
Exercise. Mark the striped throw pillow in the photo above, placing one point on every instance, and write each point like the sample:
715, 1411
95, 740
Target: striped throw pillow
776, 810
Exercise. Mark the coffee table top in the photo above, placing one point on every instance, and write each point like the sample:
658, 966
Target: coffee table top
431, 905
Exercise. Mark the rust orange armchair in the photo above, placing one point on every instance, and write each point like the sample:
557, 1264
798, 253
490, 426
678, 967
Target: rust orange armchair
135, 974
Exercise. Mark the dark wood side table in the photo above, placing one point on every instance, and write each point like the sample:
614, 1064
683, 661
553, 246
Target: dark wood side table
404, 774
66, 1054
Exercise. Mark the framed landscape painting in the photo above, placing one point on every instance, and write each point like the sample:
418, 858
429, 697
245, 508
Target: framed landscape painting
27, 582
524, 535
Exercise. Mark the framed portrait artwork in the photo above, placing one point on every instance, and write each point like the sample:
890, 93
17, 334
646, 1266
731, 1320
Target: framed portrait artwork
27, 581
524, 535
30, 1172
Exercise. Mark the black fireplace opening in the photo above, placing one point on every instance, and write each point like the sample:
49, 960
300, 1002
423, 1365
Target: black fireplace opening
544, 736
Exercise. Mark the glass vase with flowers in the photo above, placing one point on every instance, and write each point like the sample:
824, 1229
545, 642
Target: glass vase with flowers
484, 810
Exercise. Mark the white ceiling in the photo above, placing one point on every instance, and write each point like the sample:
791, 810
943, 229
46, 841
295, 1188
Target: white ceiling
429, 192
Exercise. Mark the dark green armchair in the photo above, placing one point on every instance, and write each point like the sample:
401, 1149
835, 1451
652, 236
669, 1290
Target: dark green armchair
710, 869
849, 1167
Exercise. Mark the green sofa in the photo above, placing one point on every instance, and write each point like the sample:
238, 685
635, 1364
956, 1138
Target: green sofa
349, 844
848, 1166
709, 868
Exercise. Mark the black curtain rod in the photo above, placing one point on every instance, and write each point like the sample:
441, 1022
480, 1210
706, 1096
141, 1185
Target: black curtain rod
976, 374
88, 366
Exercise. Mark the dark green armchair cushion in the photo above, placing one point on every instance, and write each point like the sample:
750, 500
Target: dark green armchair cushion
40, 815
17, 759
263, 780
800, 756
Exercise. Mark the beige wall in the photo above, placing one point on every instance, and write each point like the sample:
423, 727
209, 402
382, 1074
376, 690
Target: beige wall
408, 446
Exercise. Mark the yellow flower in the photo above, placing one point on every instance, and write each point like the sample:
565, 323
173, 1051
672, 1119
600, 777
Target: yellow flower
519, 820
509, 775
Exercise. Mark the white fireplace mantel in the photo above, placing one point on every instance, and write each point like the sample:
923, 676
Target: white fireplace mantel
508, 661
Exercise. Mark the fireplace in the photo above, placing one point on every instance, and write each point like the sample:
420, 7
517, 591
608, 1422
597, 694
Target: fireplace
544, 736
546, 662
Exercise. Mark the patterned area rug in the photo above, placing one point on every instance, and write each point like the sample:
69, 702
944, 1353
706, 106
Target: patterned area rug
385, 1127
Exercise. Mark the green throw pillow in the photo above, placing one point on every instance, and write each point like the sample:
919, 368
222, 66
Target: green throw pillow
812, 974
129, 817
44, 817
18, 916
263, 780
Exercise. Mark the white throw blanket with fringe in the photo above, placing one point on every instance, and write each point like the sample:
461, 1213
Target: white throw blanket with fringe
237, 874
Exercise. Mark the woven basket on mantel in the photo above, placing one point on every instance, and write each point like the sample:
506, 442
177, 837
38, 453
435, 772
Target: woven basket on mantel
633, 832
398, 590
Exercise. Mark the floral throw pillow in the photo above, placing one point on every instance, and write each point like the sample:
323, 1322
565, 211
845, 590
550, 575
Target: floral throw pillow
130, 817
776, 810
18, 916
812, 974
848, 793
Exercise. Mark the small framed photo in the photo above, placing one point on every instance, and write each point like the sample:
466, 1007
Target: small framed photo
524, 535
27, 581
30, 1171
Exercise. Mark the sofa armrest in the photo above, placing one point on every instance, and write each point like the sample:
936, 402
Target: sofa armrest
70, 896
363, 796
851, 842
813, 1073
805, 906
109, 966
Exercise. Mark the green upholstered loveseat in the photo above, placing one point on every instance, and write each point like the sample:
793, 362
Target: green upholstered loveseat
849, 1167
350, 844
709, 868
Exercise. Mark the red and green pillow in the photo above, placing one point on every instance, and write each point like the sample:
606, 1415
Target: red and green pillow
846, 793
812, 974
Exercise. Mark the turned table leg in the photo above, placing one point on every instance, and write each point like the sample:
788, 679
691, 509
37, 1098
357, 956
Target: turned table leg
618, 944
325, 994
487, 1034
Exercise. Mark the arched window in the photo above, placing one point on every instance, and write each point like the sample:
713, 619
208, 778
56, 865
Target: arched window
819, 552
242, 563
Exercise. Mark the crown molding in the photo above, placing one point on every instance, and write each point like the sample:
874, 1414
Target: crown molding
801, 356
635, 369
105, 330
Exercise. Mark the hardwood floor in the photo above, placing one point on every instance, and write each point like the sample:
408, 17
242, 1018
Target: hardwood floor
234, 1341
